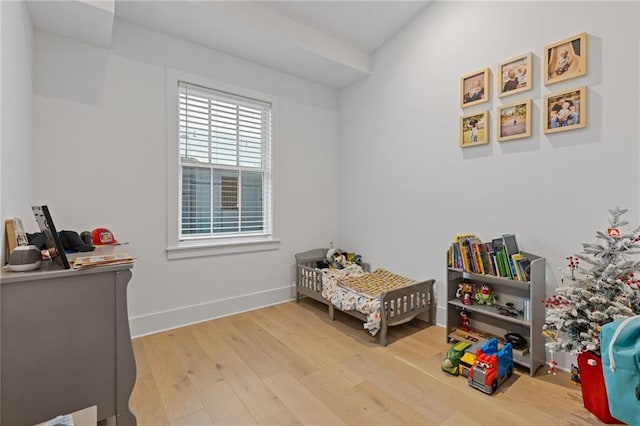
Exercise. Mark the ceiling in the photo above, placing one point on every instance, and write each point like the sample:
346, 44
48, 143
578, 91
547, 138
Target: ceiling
365, 25
328, 42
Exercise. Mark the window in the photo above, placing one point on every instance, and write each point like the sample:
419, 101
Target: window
224, 168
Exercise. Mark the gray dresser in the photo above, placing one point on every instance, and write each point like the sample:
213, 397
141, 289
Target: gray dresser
66, 344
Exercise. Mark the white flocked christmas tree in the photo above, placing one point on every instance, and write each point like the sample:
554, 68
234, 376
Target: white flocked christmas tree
606, 289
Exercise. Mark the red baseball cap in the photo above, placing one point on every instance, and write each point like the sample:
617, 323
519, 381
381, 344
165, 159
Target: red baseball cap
102, 236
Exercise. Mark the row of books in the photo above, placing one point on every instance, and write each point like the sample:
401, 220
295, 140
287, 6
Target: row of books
500, 257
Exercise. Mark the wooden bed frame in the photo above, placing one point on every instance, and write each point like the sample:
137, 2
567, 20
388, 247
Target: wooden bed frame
396, 306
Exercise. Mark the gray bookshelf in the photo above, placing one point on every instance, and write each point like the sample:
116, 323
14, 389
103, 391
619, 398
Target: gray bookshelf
489, 322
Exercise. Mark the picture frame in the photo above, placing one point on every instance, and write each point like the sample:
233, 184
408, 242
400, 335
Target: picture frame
514, 120
514, 75
565, 59
565, 110
474, 129
474, 88
54, 245
14, 236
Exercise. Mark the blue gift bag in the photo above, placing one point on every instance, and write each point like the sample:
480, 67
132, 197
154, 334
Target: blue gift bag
620, 346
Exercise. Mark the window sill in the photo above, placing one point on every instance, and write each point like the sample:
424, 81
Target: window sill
202, 249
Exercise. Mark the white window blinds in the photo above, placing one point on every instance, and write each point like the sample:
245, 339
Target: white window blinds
225, 163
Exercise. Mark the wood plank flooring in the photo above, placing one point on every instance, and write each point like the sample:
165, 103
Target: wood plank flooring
288, 364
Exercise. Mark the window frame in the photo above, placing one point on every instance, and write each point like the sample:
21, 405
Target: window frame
212, 246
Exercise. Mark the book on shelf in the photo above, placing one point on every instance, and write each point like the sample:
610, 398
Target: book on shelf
457, 261
511, 248
498, 249
510, 244
498, 244
465, 249
501, 260
102, 260
514, 261
477, 259
484, 259
525, 268
454, 256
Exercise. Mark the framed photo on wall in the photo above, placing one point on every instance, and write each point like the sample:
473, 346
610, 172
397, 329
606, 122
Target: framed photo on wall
565, 59
514, 75
566, 110
514, 120
474, 88
474, 129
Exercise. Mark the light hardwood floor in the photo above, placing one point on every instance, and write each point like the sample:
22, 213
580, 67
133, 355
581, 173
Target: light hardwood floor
288, 364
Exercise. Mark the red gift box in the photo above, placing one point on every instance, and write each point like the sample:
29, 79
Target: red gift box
594, 392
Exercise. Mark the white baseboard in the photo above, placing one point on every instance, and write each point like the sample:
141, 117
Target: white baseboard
180, 317
441, 316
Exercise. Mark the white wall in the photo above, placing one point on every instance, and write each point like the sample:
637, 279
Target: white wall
101, 160
17, 112
552, 191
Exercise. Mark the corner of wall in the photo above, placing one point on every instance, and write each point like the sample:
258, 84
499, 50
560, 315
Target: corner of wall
16, 108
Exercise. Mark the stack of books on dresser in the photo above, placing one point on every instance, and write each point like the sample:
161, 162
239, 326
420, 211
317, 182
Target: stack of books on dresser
103, 260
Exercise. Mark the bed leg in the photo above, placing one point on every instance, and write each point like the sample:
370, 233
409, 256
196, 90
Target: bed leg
332, 314
297, 297
432, 306
383, 335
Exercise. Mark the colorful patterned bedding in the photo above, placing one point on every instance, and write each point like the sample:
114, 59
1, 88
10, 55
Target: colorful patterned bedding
352, 288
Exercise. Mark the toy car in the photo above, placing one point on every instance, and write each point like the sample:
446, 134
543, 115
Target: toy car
451, 362
492, 366
466, 362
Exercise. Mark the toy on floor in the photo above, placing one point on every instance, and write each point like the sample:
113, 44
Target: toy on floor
552, 365
452, 361
575, 374
492, 366
466, 362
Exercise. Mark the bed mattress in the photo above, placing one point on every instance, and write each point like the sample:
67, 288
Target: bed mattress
351, 289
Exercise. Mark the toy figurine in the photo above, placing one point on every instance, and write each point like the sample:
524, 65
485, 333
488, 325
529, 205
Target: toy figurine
552, 365
575, 374
485, 296
465, 291
464, 317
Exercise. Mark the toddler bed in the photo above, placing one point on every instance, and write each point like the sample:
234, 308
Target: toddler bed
380, 298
